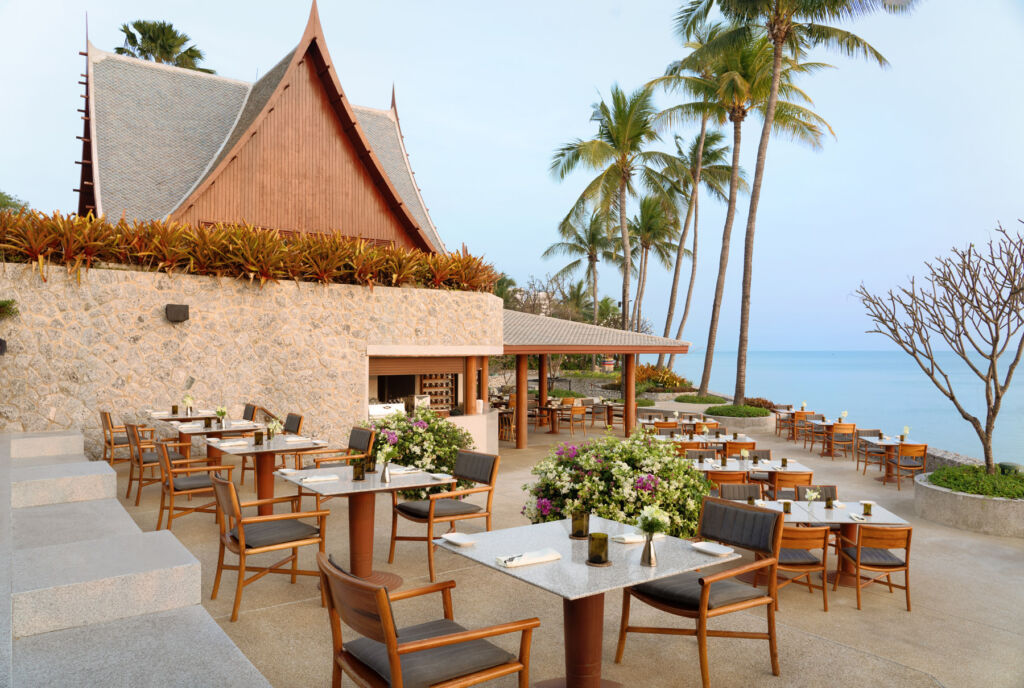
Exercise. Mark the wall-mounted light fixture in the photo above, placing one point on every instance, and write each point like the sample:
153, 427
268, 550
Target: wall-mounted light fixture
3, 347
176, 312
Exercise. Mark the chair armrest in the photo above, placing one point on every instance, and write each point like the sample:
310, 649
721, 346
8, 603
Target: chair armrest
185, 462
337, 458
423, 590
169, 443
283, 517
852, 543
465, 636
202, 469
731, 573
460, 493
146, 431
271, 500
117, 428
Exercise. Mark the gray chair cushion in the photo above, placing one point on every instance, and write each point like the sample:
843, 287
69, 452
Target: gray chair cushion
193, 482
741, 526
786, 494
275, 532
474, 466
152, 456
420, 508
873, 556
359, 439
907, 462
735, 492
683, 591
423, 669
842, 438
797, 557
757, 475
120, 439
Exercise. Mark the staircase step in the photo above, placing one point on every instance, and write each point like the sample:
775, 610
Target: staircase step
38, 483
58, 524
181, 647
95, 581
26, 444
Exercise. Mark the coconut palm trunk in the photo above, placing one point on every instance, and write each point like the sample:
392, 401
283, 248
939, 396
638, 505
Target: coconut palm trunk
641, 288
748, 242
627, 259
670, 316
723, 259
693, 280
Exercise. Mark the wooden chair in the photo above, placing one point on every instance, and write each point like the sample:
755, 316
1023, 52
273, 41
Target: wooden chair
249, 412
813, 433
799, 424
739, 491
871, 552
720, 478
756, 476
114, 437
145, 458
182, 479
909, 459
843, 436
824, 492
733, 449
448, 507
247, 536
292, 426
782, 484
868, 452
435, 653
684, 446
797, 556
697, 454
665, 427
702, 596
507, 426
578, 416
783, 422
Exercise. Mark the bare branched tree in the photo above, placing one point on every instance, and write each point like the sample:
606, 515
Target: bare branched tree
973, 301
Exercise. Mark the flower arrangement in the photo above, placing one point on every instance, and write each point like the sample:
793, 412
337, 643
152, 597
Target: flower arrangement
188, 401
221, 412
616, 479
652, 520
274, 426
423, 439
812, 495
906, 430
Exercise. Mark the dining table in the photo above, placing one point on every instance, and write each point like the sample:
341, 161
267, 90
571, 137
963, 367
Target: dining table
197, 428
265, 457
337, 481
891, 446
792, 413
182, 415
826, 425
582, 587
748, 465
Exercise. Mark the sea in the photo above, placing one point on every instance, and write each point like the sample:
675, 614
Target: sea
879, 389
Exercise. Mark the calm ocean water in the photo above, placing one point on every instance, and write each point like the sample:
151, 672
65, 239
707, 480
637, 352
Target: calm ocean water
879, 389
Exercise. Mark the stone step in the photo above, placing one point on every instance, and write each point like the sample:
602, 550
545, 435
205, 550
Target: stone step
95, 581
181, 647
58, 524
36, 483
29, 444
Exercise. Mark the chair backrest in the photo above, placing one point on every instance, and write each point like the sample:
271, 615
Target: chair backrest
825, 491
363, 606
578, 411
249, 412
476, 466
727, 477
783, 479
813, 537
734, 448
132, 431
761, 454
720, 431
885, 537
683, 446
588, 401
292, 424
361, 439
741, 525
914, 451
695, 454
227, 501
799, 416
861, 432
844, 429
106, 424
742, 491
164, 459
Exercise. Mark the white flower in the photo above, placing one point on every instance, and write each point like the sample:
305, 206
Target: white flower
843, 414
744, 453
906, 429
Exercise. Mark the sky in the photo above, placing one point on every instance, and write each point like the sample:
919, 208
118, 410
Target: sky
487, 91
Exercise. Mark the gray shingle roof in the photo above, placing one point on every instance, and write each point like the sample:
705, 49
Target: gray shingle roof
528, 330
156, 130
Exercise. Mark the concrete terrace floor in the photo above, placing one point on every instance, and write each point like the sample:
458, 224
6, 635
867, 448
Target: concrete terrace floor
965, 628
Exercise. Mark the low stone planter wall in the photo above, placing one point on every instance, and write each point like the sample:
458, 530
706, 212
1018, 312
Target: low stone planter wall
989, 515
661, 396
763, 423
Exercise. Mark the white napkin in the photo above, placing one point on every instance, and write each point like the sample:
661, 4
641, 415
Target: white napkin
295, 438
232, 443
857, 517
634, 538
440, 476
189, 426
286, 471
538, 556
458, 539
321, 478
403, 470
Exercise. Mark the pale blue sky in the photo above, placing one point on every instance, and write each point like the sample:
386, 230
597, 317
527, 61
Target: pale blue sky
929, 152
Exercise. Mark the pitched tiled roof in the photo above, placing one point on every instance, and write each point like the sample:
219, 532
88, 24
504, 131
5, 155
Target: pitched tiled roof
530, 333
156, 128
159, 131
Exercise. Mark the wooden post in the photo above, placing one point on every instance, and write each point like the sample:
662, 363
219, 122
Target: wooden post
485, 380
522, 405
629, 417
542, 380
470, 387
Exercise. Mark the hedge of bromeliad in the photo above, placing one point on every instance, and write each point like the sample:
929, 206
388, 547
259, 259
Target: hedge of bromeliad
231, 250
616, 479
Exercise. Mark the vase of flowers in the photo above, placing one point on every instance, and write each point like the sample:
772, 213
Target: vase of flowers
273, 427
652, 520
386, 451
188, 402
222, 414
811, 495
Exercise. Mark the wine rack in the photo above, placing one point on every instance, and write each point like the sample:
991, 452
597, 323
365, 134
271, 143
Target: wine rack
442, 390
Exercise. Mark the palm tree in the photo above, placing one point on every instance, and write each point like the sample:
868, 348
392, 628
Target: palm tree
586, 241
793, 26
505, 288
625, 128
160, 42
575, 301
655, 229
739, 85
704, 160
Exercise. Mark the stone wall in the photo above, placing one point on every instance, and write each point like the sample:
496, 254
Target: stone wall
104, 343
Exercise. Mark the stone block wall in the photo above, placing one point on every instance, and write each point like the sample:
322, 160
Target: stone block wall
104, 344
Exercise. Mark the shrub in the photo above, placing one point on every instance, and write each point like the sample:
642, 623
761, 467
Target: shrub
660, 377
695, 399
616, 479
760, 402
8, 308
974, 480
425, 440
737, 411
565, 394
231, 250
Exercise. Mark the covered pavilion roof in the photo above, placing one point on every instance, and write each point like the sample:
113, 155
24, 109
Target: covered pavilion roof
526, 333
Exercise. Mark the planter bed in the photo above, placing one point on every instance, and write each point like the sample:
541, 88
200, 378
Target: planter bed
766, 423
989, 515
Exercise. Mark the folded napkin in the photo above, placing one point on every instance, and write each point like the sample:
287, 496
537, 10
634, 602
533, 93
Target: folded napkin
320, 478
189, 426
440, 476
634, 538
232, 443
286, 471
295, 438
403, 470
857, 517
538, 556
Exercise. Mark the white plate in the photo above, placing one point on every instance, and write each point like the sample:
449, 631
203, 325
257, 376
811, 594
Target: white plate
458, 539
712, 548
440, 476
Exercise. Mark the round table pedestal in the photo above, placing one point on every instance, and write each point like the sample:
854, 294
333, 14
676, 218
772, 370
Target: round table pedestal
583, 625
266, 463
847, 571
360, 541
553, 421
